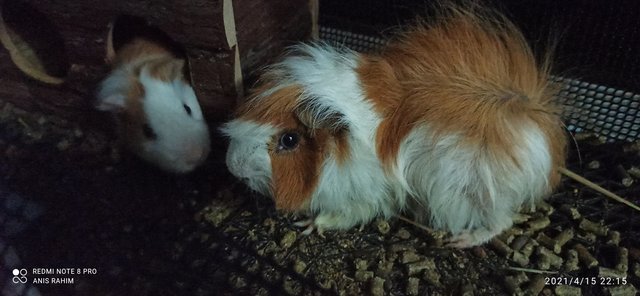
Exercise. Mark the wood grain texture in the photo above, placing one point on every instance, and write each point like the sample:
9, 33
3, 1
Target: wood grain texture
263, 27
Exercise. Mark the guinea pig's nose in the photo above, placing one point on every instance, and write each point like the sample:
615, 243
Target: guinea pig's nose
195, 154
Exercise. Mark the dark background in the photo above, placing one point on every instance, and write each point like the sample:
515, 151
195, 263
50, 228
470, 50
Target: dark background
597, 41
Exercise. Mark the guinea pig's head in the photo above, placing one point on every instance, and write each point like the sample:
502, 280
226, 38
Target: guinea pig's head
158, 115
294, 136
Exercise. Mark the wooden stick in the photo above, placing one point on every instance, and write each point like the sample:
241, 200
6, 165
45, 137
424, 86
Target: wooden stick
597, 188
532, 270
416, 224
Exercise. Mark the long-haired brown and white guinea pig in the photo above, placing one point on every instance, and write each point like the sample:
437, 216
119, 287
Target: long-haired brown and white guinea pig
157, 112
453, 123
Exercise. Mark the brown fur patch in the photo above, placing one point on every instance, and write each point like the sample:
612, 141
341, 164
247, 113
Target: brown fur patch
295, 172
139, 48
467, 75
159, 61
166, 69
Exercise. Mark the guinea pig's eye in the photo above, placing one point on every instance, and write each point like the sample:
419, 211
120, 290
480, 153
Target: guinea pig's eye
148, 132
187, 108
288, 141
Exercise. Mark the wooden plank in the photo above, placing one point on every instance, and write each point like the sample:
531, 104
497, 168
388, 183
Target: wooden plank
263, 28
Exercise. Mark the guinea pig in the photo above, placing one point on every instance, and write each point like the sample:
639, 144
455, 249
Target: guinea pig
157, 113
453, 123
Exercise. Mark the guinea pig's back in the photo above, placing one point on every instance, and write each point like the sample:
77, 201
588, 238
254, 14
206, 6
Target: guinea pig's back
475, 127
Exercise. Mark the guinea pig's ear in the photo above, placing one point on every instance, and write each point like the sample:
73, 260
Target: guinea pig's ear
113, 92
316, 116
113, 102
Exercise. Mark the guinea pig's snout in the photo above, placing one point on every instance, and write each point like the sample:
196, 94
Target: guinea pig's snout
235, 165
238, 165
195, 154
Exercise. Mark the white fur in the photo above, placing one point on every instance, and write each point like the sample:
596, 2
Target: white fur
182, 141
462, 188
459, 188
248, 155
356, 191
315, 67
347, 193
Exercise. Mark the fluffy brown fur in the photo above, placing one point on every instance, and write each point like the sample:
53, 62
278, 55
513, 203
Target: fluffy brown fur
466, 75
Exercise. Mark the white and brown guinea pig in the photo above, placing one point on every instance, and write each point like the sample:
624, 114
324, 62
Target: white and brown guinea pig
157, 112
453, 123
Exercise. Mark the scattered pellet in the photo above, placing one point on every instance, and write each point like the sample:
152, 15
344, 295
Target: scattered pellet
513, 282
409, 256
377, 286
536, 285
593, 227
571, 261
543, 262
554, 260
299, 266
623, 290
395, 248
571, 212
520, 218
545, 208
565, 290
588, 237
564, 236
403, 234
593, 165
520, 258
508, 235
288, 239
585, 256
613, 238
623, 260
361, 264
432, 276
538, 224
383, 226
528, 248
634, 171
417, 267
621, 173
412, 286
500, 247
363, 275
548, 242
519, 242
605, 272
384, 268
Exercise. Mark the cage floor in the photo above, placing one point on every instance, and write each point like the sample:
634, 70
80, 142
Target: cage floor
67, 200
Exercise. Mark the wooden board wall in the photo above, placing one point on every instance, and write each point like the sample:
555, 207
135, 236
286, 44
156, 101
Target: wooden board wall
203, 27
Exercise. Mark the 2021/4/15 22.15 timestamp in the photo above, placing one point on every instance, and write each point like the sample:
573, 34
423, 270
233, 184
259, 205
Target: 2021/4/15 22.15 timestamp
587, 281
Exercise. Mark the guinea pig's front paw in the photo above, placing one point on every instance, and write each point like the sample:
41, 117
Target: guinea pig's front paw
470, 238
310, 226
461, 240
322, 222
